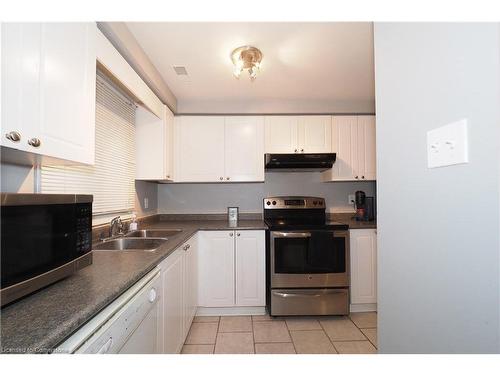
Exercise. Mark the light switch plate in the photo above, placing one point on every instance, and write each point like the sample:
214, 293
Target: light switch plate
146, 203
448, 145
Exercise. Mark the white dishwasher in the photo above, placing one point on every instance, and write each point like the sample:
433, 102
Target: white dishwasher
128, 325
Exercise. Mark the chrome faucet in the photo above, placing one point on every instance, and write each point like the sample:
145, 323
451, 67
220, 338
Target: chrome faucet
116, 223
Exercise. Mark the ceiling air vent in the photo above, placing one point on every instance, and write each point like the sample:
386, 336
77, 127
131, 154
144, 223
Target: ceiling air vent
180, 70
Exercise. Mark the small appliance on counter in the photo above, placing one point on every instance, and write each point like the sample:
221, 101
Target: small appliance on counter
232, 216
360, 200
44, 238
365, 207
370, 209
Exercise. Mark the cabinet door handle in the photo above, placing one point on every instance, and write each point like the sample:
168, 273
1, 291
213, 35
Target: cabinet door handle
188, 246
221, 178
238, 234
301, 150
13, 136
227, 178
296, 150
356, 177
35, 142
231, 234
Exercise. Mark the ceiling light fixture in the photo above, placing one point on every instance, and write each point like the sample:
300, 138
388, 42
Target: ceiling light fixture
246, 57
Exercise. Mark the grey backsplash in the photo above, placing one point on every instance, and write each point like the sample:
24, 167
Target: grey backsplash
16, 178
215, 198
145, 189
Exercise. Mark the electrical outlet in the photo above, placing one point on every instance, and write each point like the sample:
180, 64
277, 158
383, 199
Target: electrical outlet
351, 199
146, 203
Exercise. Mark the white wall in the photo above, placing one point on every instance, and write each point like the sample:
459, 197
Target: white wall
438, 261
215, 198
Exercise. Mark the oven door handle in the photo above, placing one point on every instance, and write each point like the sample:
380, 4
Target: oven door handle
308, 293
292, 234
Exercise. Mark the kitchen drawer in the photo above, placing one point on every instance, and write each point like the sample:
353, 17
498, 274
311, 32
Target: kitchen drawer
332, 301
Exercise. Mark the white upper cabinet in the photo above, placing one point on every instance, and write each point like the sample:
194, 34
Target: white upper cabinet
315, 134
298, 134
20, 83
366, 148
219, 149
363, 248
67, 91
244, 145
154, 145
281, 134
353, 141
199, 146
344, 135
48, 92
168, 122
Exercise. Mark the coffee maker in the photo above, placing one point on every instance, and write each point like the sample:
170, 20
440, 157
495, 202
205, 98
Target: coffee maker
360, 201
365, 207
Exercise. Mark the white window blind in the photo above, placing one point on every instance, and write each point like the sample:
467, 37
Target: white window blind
111, 179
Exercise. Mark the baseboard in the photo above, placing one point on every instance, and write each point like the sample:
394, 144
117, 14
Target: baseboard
237, 310
363, 307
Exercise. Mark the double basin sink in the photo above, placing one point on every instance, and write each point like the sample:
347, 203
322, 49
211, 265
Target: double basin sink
138, 240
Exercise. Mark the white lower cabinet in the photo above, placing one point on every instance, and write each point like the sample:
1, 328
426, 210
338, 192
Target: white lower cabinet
216, 269
173, 312
179, 273
231, 268
190, 281
212, 269
250, 270
363, 248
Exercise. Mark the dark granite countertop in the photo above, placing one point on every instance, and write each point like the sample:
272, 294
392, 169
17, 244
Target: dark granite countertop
348, 218
39, 322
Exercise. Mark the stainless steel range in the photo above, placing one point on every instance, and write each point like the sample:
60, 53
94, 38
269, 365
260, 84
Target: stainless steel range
307, 258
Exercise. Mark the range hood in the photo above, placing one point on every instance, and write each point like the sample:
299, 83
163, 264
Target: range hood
299, 162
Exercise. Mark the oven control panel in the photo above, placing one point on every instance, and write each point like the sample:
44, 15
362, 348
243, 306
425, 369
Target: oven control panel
293, 202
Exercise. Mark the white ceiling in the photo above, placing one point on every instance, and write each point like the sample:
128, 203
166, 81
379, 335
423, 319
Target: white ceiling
307, 67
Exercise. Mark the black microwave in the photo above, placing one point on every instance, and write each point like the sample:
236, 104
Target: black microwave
44, 238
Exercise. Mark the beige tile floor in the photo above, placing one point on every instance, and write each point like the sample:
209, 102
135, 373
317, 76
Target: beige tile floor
356, 334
